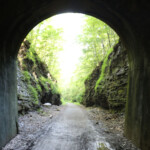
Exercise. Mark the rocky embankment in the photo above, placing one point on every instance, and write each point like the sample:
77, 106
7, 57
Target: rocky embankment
107, 85
35, 83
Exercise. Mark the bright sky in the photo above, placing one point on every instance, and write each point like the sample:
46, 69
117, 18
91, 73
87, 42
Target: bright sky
72, 25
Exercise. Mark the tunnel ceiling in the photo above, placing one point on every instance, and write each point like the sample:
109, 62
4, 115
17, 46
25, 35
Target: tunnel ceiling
123, 16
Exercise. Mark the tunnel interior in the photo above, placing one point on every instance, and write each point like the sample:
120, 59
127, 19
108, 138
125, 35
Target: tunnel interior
131, 22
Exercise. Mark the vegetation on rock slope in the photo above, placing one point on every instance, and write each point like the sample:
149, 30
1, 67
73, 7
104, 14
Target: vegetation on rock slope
36, 79
107, 85
46, 41
96, 80
97, 40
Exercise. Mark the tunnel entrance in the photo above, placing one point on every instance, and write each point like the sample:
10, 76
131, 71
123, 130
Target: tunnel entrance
127, 18
36, 51
78, 58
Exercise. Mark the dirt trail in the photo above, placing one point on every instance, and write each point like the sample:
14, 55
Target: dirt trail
71, 131
69, 127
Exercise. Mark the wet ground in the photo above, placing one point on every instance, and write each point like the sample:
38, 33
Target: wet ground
71, 128
72, 131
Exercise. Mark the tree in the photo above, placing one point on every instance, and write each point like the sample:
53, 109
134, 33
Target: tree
46, 41
96, 39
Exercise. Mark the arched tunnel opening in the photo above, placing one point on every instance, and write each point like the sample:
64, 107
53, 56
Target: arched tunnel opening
128, 18
37, 81
45, 42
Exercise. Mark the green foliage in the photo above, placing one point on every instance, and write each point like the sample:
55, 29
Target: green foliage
44, 82
46, 41
30, 54
45, 46
33, 92
38, 57
54, 88
73, 92
64, 102
97, 40
76, 103
32, 89
102, 74
88, 77
49, 85
102, 147
38, 87
27, 76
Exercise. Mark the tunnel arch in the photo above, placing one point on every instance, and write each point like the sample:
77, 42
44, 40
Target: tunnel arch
31, 17
129, 19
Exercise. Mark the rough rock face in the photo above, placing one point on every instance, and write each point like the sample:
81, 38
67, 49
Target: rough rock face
25, 99
35, 84
111, 92
54, 99
90, 82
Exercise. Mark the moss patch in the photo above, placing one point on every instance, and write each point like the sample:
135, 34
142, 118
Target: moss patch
27, 76
103, 69
35, 75
107, 86
33, 92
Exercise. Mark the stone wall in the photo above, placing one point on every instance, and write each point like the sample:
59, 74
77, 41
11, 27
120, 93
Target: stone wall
111, 91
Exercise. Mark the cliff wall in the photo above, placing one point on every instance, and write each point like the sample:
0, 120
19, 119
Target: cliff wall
107, 85
35, 84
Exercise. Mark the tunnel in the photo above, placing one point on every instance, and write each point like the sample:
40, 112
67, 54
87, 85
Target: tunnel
129, 18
